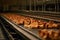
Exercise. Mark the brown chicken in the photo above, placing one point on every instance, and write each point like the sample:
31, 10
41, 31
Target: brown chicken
34, 24
51, 24
49, 34
41, 24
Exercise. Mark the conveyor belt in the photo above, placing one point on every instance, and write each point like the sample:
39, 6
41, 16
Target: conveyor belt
10, 33
27, 34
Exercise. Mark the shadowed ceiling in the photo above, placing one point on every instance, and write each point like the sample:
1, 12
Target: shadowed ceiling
25, 2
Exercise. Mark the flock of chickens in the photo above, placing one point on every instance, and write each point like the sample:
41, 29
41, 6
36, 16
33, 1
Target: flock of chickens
49, 34
29, 22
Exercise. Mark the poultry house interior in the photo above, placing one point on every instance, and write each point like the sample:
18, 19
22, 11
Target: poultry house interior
30, 19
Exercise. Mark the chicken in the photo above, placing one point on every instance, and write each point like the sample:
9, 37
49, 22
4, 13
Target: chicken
26, 23
56, 35
49, 34
41, 24
33, 24
51, 24
43, 33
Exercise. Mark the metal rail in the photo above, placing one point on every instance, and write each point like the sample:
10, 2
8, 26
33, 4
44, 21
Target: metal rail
9, 37
11, 32
40, 17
